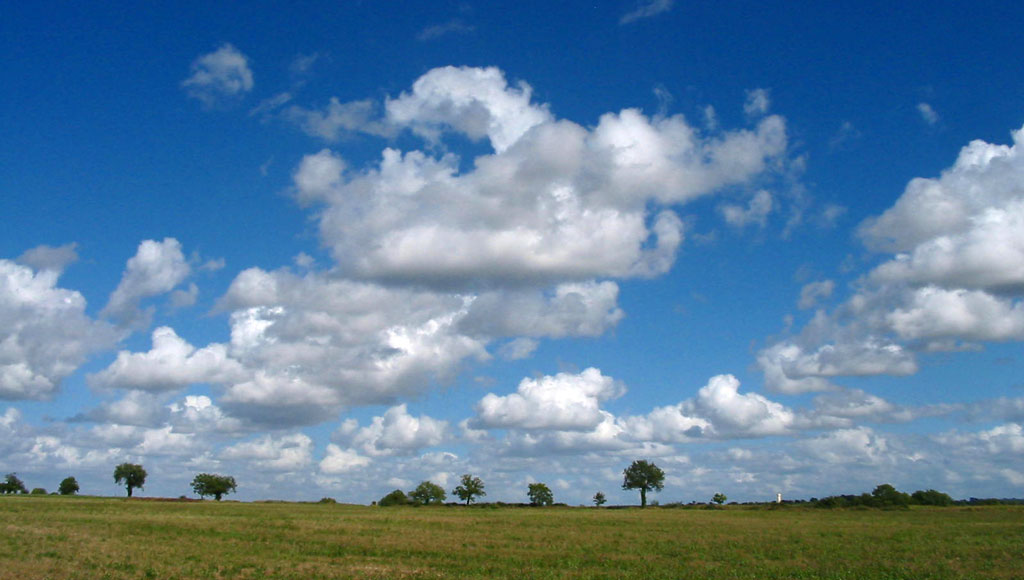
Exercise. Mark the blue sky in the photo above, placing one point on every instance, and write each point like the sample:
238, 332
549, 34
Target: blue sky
337, 248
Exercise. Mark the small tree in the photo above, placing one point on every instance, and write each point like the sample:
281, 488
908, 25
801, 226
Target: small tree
131, 475
206, 484
540, 494
396, 497
12, 484
470, 488
68, 486
38, 491
645, 476
719, 498
599, 499
427, 492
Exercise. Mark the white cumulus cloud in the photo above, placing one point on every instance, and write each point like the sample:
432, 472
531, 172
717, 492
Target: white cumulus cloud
45, 334
156, 268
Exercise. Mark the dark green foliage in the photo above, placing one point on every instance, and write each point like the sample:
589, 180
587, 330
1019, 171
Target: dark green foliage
131, 474
540, 494
213, 484
931, 497
12, 484
886, 495
599, 499
38, 491
427, 492
645, 476
470, 488
68, 486
329, 500
396, 497
719, 498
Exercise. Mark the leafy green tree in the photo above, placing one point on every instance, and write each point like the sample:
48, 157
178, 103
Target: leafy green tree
427, 492
206, 484
540, 494
12, 484
719, 498
645, 476
599, 499
38, 491
886, 495
470, 488
931, 497
68, 486
396, 497
132, 475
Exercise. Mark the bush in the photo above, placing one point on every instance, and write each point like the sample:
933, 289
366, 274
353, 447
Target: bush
38, 491
327, 500
396, 497
931, 497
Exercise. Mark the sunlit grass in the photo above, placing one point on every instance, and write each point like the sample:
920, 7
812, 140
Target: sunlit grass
57, 537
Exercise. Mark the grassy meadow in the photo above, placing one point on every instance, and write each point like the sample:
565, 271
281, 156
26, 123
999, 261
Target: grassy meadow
84, 537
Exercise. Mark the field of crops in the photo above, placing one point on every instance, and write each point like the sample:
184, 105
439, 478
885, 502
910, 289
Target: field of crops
81, 537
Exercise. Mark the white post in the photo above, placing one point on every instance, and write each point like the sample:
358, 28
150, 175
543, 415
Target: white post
778, 498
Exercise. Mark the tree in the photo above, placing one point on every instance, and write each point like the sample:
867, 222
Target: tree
540, 494
719, 498
599, 499
886, 495
396, 497
131, 474
427, 492
931, 497
470, 488
12, 484
645, 476
206, 484
38, 491
68, 486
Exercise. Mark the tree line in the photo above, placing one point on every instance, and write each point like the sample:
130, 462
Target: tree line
641, 475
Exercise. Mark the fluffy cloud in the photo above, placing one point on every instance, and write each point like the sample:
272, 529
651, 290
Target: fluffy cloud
561, 402
136, 408
756, 212
396, 433
956, 275
338, 460
156, 268
315, 344
475, 101
50, 258
219, 76
859, 445
285, 453
171, 364
554, 202
44, 332
198, 414
561, 414
718, 411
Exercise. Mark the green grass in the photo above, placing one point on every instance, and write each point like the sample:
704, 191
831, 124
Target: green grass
78, 537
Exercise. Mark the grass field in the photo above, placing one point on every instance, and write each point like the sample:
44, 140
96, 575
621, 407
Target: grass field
80, 537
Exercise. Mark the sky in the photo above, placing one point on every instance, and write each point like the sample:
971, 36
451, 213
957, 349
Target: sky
333, 249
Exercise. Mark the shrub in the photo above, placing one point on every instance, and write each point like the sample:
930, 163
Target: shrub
396, 497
